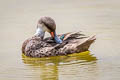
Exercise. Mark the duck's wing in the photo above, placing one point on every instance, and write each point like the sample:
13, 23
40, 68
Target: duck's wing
66, 36
72, 35
75, 42
77, 45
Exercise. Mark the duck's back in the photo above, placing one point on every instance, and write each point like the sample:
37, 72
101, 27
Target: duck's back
31, 46
72, 43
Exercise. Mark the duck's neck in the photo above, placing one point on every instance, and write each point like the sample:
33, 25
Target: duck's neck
40, 33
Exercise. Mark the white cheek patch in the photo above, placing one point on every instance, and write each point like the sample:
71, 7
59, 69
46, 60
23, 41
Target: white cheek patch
40, 32
46, 29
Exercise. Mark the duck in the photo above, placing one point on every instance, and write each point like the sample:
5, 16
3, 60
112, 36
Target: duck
56, 45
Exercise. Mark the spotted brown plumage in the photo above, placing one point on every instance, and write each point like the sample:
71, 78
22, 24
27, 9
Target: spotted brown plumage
37, 46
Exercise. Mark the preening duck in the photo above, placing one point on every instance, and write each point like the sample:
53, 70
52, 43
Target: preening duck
63, 44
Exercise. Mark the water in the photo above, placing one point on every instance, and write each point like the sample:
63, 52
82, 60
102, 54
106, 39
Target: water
18, 19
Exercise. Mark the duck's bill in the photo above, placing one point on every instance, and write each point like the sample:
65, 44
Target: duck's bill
56, 38
52, 34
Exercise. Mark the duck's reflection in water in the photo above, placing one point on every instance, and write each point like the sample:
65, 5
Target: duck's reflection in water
53, 68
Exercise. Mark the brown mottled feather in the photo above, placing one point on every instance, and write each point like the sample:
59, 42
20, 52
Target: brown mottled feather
73, 43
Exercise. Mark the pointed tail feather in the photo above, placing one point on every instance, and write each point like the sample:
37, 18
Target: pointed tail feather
85, 44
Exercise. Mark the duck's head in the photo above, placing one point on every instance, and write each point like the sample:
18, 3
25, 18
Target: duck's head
47, 24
